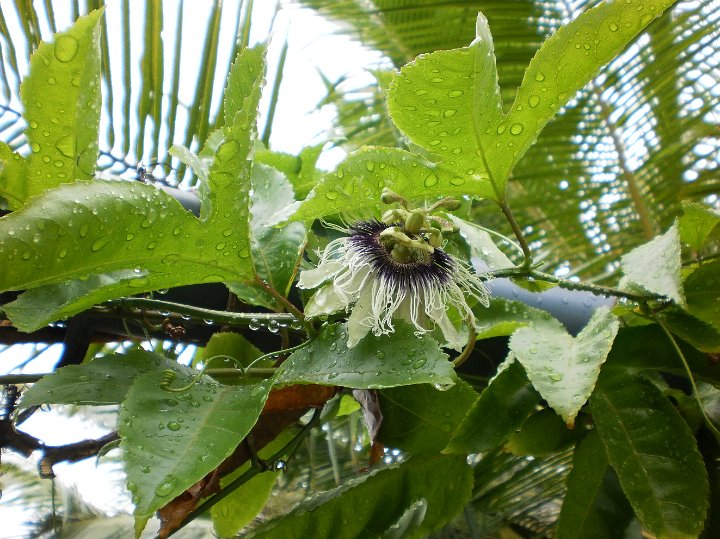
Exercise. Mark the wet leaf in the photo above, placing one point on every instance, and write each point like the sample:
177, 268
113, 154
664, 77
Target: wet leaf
654, 454
374, 504
696, 224
481, 246
702, 289
655, 267
374, 363
564, 368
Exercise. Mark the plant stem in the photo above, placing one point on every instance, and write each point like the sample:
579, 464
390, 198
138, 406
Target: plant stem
220, 317
518, 233
711, 427
462, 358
287, 304
288, 449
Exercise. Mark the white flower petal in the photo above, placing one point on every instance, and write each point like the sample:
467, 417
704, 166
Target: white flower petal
360, 321
325, 301
315, 277
451, 334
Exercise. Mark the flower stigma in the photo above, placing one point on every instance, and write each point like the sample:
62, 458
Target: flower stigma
395, 269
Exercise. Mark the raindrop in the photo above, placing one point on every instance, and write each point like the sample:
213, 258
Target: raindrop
516, 129
62, 253
167, 485
51, 80
332, 195
66, 145
455, 93
100, 243
431, 180
556, 376
449, 112
539, 77
33, 124
66, 48
35, 147
84, 229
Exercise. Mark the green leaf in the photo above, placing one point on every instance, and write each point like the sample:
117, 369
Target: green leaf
445, 100
421, 419
564, 368
171, 440
300, 169
654, 454
481, 245
564, 64
398, 359
702, 289
276, 252
696, 224
244, 81
13, 177
594, 506
655, 266
105, 380
227, 344
372, 505
504, 316
700, 334
61, 98
356, 184
542, 434
501, 408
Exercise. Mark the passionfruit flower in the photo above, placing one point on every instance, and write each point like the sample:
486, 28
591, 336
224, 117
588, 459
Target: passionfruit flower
385, 271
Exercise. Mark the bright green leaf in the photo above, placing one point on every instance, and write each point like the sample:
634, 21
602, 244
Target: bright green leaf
300, 169
655, 266
13, 177
373, 363
104, 380
372, 505
245, 78
444, 101
542, 434
702, 290
504, 316
226, 344
594, 506
61, 97
356, 184
654, 454
564, 368
171, 440
501, 408
696, 224
421, 419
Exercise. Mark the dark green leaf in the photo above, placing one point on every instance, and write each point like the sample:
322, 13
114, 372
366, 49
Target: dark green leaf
104, 380
594, 506
13, 177
542, 434
171, 440
501, 408
372, 505
702, 290
697, 223
654, 454
373, 363
700, 334
421, 419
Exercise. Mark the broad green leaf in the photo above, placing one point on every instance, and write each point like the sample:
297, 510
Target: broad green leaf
61, 97
481, 245
501, 408
654, 454
13, 177
504, 316
444, 101
594, 506
171, 440
398, 359
564, 368
564, 64
104, 380
700, 334
356, 184
702, 289
300, 169
655, 266
421, 419
228, 344
276, 251
372, 505
542, 434
696, 224
239, 508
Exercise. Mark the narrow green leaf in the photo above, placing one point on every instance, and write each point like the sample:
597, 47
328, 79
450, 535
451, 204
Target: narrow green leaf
246, 71
171, 440
564, 368
655, 266
61, 97
654, 454
444, 101
104, 380
501, 408
373, 363
13, 177
420, 418
702, 289
372, 505
696, 224
565, 63
594, 506
358, 181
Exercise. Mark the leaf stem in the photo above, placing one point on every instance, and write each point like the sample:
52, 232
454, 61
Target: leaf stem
462, 358
711, 427
256, 469
518, 233
287, 304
